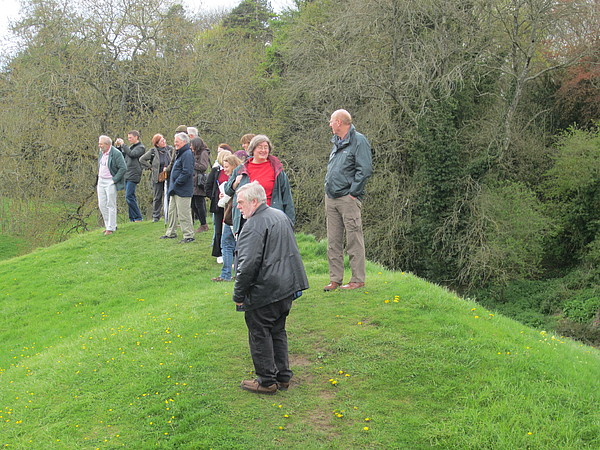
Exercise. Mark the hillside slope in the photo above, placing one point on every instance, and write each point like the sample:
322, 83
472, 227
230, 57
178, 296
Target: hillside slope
123, 341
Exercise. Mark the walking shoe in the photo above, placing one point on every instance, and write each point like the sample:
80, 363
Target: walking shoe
168, 237
187, 240
352, 285
219, 279
255, 387
283, 386
202, 228
331, 286
107, 232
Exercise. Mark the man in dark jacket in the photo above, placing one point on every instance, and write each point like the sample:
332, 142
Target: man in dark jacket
181, 188
133, 175
269, 276
348, 170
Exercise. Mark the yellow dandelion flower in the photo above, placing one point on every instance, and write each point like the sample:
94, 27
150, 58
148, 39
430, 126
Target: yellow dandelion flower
366, 428
386, 301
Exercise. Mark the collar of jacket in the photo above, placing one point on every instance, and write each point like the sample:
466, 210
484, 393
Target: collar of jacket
339, 143
259, 209
275, 163
183, 149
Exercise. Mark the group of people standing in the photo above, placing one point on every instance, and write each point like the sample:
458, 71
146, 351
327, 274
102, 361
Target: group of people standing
253, 211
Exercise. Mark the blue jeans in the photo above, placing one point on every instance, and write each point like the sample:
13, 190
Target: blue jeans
134, 209
227, 249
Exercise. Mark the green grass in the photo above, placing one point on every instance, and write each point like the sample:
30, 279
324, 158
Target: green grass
123, 341
10, 246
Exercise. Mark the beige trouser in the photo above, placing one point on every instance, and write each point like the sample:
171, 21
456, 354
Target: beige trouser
180, 210
343, 215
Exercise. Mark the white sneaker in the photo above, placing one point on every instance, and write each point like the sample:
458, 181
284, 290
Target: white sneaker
219, 260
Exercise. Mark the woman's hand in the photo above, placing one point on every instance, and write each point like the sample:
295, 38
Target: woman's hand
237, 181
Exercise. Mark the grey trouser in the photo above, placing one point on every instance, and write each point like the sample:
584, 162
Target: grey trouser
180, 210
343, 215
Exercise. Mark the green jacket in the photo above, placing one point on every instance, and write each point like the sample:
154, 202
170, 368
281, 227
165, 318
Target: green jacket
117, 167
350, 166
280, 199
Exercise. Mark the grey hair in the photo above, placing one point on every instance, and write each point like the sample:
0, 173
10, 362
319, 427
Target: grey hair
183, 137
253, 191
258, 139
192, 130
105, 139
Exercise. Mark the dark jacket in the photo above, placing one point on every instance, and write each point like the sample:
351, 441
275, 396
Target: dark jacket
269, 266
117, 167
132, 159
201, 163
350, 166
182, 173
151, 160
280, 199
212, 188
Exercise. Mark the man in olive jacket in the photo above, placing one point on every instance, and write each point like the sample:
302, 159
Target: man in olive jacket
350, 166
269, 276
111, 178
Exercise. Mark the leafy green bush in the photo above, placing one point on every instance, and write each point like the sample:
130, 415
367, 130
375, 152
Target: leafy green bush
584, 307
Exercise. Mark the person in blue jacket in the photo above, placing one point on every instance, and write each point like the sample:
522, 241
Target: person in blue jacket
181, 188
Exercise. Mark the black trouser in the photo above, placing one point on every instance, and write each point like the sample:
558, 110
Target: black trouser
268, 342
199, 208
218, 224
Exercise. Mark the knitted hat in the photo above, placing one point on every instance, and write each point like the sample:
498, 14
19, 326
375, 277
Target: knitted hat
181, 129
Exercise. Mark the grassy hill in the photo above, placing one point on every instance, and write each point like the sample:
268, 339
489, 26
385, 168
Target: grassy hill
123, 341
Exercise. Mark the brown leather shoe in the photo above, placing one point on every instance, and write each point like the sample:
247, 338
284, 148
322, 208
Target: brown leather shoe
255, 387
202, 228
331, 286
283, 386
352, 285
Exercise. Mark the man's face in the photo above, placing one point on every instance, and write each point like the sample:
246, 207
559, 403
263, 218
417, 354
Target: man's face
103, 146
335, 124
132, 139
245, 207
178, 143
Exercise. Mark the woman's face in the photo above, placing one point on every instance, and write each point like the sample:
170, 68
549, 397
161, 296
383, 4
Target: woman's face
261, 152
227, 168
162, 142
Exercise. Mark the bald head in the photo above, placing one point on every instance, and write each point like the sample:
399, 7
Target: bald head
340, 122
